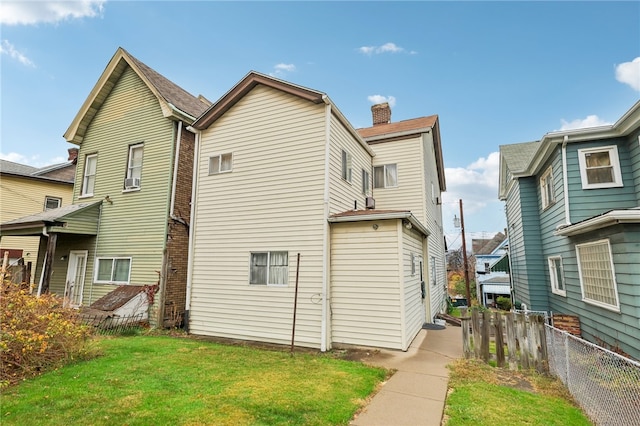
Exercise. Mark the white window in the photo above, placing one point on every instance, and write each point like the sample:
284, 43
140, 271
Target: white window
600, 167
269, 268
52, 202
89, 176
597, 275
556, 274
546, 189
365, 182
385, 176
134, 167
113, 270
222, 163
487, 267
346, 166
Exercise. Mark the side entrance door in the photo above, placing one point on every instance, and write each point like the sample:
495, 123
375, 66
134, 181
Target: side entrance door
75, 278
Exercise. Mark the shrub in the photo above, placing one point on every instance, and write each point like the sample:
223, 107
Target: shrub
36, 334
503, 303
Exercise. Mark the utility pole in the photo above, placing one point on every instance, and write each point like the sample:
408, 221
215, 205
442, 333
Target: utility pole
464, 258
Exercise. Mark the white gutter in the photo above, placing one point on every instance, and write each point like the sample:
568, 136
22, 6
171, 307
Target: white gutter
565, 183
175, 170
194, 185
325, 227
611, 218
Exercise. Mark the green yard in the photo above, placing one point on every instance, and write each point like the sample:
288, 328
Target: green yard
163, 380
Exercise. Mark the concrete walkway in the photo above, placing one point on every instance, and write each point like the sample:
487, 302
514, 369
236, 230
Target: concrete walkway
416, 393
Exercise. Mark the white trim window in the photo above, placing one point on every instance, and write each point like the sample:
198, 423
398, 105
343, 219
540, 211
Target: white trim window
134, 167
89, 175
113, 270
347, 169
222, 163
269, 268
556, 275
385, 176
597, 274
546, 189
52, 202
366, 188
600, 167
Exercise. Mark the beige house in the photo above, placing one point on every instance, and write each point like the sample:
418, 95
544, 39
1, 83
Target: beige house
129, 219
24, 190
290, 200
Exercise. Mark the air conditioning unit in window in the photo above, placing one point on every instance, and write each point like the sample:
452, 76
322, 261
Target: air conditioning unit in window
370, 203
131, 183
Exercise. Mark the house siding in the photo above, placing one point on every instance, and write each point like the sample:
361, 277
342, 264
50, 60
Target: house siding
366, 302
272, 200
414, 309
134, 224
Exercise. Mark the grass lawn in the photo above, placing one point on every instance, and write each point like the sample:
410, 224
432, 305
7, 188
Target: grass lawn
161, 380
483, 395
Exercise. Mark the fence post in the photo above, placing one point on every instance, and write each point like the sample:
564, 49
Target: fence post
466, 337
542, 338
521, 328
477, 336
499, 340
486, 335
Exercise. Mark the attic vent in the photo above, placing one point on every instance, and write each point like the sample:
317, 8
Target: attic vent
370, 203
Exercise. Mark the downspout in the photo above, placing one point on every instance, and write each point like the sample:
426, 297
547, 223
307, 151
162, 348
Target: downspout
325, 227
567, 216
194, 184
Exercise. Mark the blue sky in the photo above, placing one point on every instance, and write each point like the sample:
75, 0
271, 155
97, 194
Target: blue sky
495, 72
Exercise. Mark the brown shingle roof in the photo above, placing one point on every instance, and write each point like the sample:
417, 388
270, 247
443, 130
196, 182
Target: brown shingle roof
398, 127
117, 298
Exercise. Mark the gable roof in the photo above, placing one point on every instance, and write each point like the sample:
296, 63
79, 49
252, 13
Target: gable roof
518, 156
254, 78
483, 246
176, 103
402, 129
43, 173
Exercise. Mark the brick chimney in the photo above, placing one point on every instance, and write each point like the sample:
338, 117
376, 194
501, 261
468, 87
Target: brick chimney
381, 114
73, 154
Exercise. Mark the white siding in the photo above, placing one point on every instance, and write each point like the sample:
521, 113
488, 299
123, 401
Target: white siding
413, 303
272, 200
366, 299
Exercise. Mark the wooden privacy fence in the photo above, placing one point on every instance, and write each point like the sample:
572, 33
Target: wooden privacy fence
518, 339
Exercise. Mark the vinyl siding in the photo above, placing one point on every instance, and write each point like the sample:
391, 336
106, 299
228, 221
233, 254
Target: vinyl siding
366, 302
345, 195
24, 196
272, 200
517, 248
134, 224
414, 309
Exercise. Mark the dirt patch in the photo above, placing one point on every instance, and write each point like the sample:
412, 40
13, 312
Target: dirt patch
514, 380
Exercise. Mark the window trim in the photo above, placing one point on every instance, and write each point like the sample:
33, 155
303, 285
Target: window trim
586, 299
384, 170
48, 198
555, 287
347, 166
220, 163
113, 259
267, 283
83, 189
547, 199
615, 164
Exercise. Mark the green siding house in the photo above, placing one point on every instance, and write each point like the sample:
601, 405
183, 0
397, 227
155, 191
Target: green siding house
573, 217
129, 221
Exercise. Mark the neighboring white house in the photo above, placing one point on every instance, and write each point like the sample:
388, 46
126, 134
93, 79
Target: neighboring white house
492, 272
296, 211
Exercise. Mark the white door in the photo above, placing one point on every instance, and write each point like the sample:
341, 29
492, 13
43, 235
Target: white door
75, 278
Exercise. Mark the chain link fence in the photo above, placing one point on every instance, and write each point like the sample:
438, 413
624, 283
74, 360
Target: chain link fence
605, 384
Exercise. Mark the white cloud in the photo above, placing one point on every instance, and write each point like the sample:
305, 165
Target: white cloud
34, 161
379, 99
385, 48
7, 48
48, 12
280, 70
629, 73
581, 123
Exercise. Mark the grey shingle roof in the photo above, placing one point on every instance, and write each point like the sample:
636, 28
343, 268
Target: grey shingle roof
16, 168
519, 155
51, 215
45, 173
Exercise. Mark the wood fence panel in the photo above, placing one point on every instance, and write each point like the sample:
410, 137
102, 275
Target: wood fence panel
499, 339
